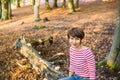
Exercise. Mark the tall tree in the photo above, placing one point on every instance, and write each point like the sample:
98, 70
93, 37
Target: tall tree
32, 2
5, 14
64, 4
36, 10
0, 9
18, 3
71, 6
55, 4
113, 59
47, 5
77, 3
9, 8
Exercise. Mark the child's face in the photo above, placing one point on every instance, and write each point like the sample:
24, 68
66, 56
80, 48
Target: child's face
75, 42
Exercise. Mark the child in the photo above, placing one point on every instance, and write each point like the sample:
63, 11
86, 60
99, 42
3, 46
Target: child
82, 62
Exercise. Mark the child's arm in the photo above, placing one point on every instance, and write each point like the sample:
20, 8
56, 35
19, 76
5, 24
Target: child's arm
91, 63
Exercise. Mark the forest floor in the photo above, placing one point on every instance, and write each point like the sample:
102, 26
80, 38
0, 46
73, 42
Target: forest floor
97, 19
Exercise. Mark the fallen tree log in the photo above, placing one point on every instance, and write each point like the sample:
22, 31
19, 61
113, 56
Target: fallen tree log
42, 67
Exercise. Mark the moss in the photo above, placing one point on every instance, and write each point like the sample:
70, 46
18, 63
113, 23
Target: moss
38, 27
32, 56
99, 64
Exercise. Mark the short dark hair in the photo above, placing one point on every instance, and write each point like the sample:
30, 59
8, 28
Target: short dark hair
76, 32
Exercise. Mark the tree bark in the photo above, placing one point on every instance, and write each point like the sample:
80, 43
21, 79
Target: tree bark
47, 5
36, 10
71, 6
4, 15
77, 3
55, 4
32, 2
18, 3
64, 4
0, 9
113, 59
9, 9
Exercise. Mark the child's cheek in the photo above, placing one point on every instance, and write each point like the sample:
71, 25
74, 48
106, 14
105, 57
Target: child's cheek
70, 41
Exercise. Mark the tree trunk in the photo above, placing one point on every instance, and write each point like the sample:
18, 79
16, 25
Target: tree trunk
42, 67
9, 9
77, 3
32, 2
47, 5
5, 10
0, 9
18, 3
71, 6
113, 59
55, 4
64, 4
36, 10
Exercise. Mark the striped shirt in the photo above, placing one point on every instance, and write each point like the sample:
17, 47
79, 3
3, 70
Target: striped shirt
82, 62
